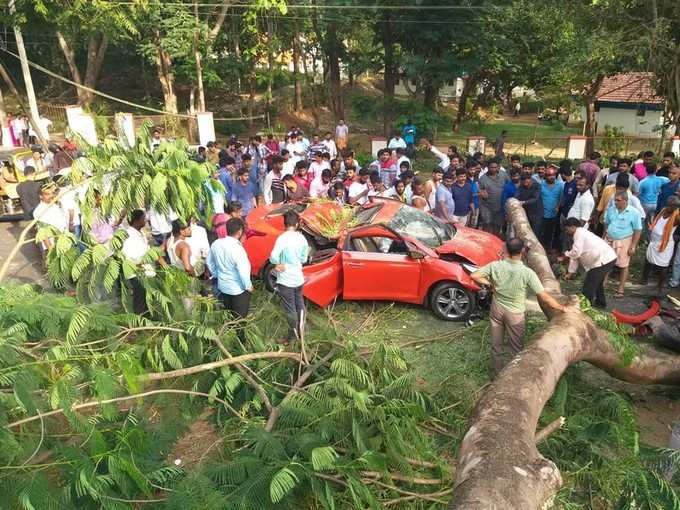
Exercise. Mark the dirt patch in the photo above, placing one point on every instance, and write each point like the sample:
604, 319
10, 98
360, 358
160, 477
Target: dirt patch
199, 443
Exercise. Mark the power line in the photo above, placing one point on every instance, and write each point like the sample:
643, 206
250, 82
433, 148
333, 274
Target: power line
117, 99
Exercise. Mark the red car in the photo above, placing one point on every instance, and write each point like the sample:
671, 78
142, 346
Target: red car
384, 250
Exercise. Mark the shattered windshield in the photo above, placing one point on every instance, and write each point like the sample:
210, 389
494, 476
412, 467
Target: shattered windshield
424, 227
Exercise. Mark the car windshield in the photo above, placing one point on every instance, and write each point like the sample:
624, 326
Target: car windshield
424, 227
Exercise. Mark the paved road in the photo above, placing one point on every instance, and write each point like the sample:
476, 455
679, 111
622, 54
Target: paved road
26, 266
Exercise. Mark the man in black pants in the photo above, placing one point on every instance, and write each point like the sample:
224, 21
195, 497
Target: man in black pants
290, 252
228, 262
596, 257
529, 195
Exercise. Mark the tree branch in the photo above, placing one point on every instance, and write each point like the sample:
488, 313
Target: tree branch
94, 403
159, 376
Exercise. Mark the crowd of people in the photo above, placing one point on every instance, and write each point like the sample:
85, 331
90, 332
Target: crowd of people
590, 214
22, 133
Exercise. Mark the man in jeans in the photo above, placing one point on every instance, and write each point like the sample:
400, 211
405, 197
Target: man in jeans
509, 280
289, 254
228, 263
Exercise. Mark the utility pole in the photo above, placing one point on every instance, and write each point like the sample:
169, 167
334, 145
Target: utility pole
30, 91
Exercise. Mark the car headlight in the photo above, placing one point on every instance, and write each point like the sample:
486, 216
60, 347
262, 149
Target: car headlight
470, 268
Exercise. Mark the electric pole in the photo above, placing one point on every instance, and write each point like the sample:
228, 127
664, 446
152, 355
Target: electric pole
30, 91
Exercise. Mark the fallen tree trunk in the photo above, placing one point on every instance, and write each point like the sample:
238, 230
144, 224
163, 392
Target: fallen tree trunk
499, 466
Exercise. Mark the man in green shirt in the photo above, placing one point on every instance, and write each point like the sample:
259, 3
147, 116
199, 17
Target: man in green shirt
509, 280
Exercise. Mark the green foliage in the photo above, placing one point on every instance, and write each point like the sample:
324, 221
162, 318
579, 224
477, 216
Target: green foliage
600, 454
619, 334
613, 142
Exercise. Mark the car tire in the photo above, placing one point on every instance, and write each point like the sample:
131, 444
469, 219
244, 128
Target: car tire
269, 277
451, 301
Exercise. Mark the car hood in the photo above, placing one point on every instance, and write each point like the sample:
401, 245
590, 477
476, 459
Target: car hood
480, 248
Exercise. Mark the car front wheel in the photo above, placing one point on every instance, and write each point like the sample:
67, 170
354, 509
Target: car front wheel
269, 277
452, 302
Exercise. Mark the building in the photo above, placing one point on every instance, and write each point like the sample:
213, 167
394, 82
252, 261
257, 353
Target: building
629, 101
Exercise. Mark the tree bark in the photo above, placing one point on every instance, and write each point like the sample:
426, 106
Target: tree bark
391, 73
166, 78
590, 128
333, 51
430, 95
498, 463
469, 84
296, 70
198, 62
96, 51
26, 72
70, 57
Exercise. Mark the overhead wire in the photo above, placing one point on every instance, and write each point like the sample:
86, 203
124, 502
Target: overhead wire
409, 7
117, 99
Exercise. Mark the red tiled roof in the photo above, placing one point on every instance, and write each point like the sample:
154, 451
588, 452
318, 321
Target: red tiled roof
633, 88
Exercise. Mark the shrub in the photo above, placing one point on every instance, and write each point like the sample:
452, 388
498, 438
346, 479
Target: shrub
613, 141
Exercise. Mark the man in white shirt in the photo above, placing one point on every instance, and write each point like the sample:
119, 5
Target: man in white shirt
444, 161
288, 163
296, 149
320, 185
135, 247
584, 203
329, 143
198, 241
396, 142
161, 225
358, 190
596, 257
316, 166
49, 212
70, 202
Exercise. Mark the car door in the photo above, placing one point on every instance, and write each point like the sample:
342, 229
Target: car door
376, 265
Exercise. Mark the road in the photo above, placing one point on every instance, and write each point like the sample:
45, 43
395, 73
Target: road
26, 266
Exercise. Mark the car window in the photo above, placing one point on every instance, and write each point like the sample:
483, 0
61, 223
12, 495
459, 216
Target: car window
378, 244
424, 227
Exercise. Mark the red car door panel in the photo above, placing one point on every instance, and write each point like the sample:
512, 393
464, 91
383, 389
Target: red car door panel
380, 276
323, 279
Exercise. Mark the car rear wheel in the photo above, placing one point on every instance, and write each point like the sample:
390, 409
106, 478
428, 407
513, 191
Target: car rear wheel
269, 277
452, 302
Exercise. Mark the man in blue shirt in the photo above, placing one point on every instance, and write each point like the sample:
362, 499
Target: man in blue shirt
227, 172
510, 188
445, 208
650, 187
551, 196
290, 252
463, 197
669, 188
243, 190
409, 134
623, 228
228, 262
473, 167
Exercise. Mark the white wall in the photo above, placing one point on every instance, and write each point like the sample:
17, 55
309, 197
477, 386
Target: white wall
628, 120
450, 90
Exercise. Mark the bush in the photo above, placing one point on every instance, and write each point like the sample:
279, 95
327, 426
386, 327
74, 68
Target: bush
613, 142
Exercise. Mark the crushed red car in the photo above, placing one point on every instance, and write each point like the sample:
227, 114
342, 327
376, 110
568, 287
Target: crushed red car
383, 250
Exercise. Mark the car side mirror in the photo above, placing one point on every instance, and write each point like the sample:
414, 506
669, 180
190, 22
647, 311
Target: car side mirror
416, 255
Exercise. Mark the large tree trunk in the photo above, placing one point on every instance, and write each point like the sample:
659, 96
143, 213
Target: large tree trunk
590, 127
199, 63
499, 466
70, 57
391, 73
469, 84
96, 51
334, 50
296, 70
430, 95
167, 79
